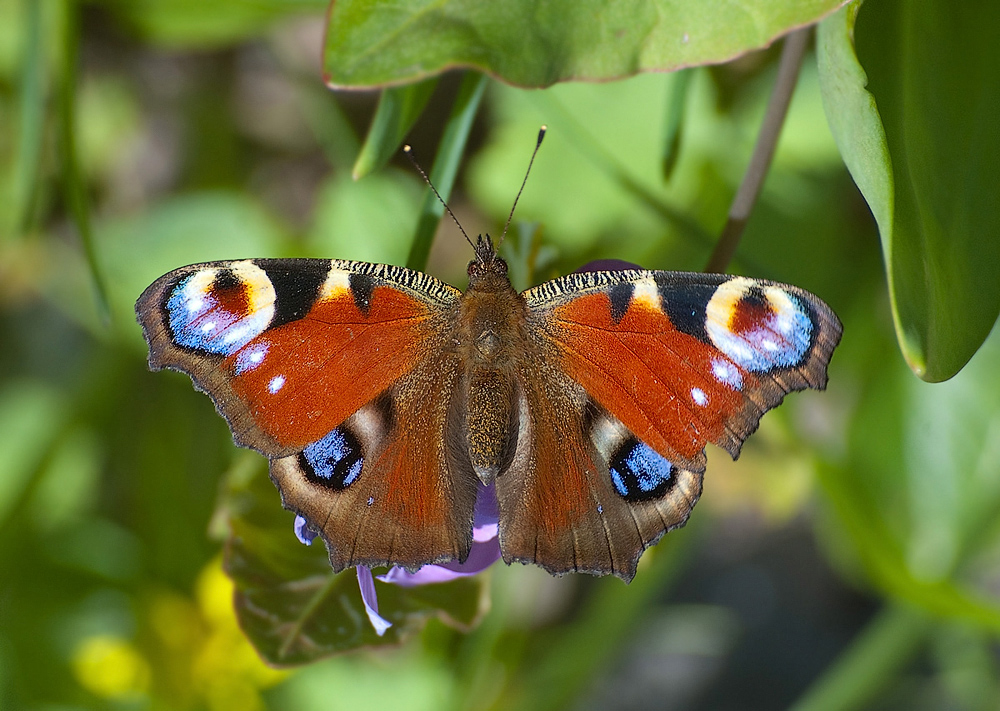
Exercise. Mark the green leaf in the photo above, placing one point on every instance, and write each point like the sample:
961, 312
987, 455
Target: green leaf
31, 416
932, 68
199, 227
398, 109
294, 609
371, 220
32, 97
919, 490
853, 117
200, 24
528, 43
887, 643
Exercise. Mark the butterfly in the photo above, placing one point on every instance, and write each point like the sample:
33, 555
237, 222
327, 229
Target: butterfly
386, 400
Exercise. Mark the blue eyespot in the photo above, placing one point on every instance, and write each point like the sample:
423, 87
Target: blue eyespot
207, 312
334, 461
638, 472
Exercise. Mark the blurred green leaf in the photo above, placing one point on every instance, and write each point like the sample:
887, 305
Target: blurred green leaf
369, 220
887, 643
200, 227
31, 414
526, 43
398, 109
921, 485
932, 68
294, 609
199, 24
449, 156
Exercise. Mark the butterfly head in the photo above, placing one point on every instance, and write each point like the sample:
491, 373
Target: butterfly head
488, 270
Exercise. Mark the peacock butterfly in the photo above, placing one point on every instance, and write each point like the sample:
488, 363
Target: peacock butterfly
386, 400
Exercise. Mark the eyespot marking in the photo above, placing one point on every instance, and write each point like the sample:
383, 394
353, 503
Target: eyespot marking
334, 462
759, 327
219, 310
638, 472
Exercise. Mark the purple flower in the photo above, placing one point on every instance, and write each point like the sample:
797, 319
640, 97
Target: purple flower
484, 553
608, 265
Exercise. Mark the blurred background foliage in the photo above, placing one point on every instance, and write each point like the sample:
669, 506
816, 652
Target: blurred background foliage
850, 559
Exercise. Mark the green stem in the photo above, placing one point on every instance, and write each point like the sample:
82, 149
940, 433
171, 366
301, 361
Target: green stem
398, 109
32, 119
446, 162
73, 180
767, 140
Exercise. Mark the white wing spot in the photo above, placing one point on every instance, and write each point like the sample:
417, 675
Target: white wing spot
699, 396
277, 382
727, 374
210, 326
371, 500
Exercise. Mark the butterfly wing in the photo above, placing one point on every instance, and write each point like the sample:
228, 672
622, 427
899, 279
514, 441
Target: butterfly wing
340, 373
640, 371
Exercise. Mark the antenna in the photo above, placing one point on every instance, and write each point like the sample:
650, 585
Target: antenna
409, 154
541, 135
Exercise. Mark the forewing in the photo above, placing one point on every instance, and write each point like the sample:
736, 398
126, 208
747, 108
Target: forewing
289, 348
684, 359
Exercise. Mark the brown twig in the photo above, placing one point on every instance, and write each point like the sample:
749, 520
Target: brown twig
746, 195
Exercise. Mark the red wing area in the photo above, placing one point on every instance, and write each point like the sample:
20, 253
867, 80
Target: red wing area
655, 379
289, 348
303, 378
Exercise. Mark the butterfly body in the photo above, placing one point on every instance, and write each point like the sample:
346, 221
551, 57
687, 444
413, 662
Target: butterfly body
387, 400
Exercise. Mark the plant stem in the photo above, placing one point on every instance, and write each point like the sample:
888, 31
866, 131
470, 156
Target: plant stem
746, 196
442, 174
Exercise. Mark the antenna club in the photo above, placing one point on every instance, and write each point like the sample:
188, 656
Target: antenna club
407, 149
541, 134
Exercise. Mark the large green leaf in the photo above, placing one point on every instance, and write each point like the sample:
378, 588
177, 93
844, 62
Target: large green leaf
932, 69
294, 609
529, 43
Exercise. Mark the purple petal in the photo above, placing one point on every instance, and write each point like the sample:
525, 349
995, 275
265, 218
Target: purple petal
608, 265
367, 584
303, 532
487, 511
485, 549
